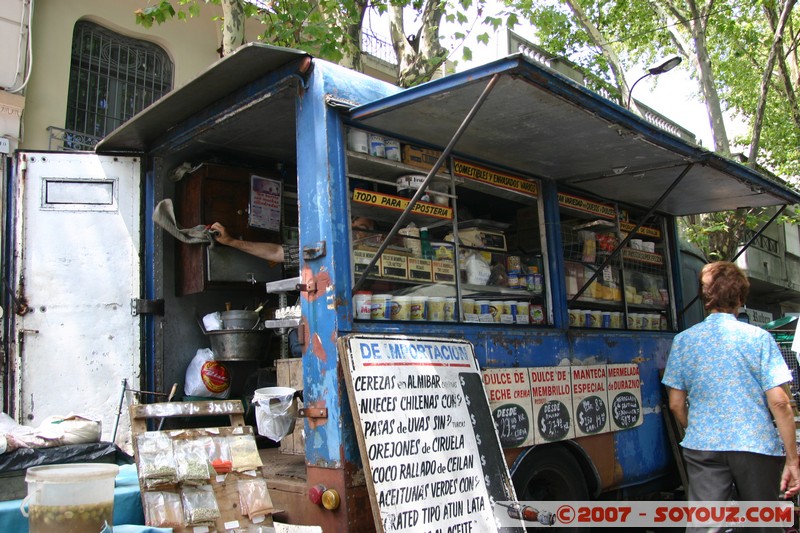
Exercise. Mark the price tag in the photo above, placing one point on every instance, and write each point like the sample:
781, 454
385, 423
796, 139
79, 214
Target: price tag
607, 274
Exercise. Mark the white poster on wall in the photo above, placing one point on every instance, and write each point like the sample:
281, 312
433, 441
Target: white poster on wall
265, 203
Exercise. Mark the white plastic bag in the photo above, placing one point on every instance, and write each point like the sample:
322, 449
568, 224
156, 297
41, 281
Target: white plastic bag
70, 429
212, 322
276, 411
207, 378
478, 270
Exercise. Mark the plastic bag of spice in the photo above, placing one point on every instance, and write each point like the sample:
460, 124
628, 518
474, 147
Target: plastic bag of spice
156, 459
254, 498
219, 454
192, 461
163, 509
199, 505
244, 453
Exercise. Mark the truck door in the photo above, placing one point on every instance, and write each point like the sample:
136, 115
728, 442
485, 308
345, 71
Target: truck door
76, 267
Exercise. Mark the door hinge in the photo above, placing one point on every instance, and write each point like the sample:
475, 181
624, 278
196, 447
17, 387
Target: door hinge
140, 306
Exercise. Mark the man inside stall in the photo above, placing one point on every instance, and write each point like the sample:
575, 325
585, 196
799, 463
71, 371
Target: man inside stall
288, 254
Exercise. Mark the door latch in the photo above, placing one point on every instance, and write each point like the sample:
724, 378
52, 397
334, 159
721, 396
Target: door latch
140, 306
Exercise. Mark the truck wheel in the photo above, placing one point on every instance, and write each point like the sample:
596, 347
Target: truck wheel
551, 474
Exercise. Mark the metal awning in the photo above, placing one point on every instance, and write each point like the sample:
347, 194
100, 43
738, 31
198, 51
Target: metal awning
224, 78
539, 123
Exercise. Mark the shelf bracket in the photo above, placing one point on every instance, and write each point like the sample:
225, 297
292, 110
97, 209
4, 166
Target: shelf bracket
310, 287
312, 412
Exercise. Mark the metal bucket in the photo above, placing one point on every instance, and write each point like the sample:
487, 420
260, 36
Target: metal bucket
245, 320
239, 345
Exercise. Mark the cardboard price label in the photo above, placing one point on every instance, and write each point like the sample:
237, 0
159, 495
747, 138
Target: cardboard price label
510, 400
624, 396
495, 178
551, 391
590, 400
398, 203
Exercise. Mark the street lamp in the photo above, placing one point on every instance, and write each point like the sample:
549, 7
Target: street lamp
661, 68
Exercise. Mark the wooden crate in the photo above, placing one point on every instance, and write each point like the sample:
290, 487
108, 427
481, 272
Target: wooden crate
290, 374
225, 486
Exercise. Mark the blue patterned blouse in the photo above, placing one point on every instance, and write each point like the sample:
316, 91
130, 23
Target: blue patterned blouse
726, 366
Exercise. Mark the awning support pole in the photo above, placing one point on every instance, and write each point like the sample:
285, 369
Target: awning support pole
439, 162
631, 233
742, 250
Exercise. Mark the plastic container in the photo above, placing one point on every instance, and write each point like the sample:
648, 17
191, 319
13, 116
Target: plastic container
523, 310
362, 303
436, 308
381, 308
496, 309
401, 308
276, 411
450, 309
70, 498
418, 307
358, 141
468, 305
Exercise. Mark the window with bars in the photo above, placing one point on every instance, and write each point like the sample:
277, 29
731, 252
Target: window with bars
112, 77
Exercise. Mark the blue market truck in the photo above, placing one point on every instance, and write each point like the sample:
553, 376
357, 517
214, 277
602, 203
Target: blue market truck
507, 206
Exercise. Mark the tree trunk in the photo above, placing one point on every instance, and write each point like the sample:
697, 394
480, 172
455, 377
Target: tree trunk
232, 26
352, 23
601, 42
774, 51
781, 58
697, 28
417, 62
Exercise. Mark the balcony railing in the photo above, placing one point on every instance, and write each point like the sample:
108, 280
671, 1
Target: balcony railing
373, 45
70, 141
762, 242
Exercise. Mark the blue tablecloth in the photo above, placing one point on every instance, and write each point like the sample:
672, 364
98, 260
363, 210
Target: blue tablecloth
127, 508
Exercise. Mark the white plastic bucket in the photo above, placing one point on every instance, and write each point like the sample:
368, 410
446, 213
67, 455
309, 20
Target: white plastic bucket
276, 411
358, 141
70, 498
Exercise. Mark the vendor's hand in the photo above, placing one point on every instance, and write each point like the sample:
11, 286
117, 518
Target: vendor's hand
790, 480
220, 233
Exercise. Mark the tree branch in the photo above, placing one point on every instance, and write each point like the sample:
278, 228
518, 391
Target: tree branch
777, 42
